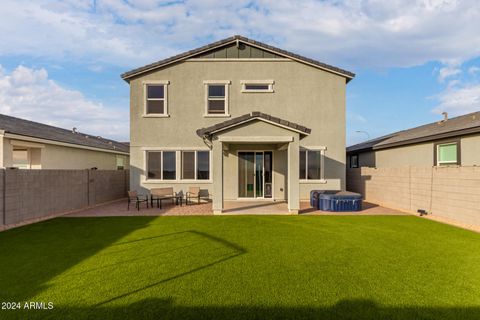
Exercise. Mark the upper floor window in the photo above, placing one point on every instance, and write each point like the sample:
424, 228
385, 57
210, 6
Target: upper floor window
311, 163
257, 85
156, 99
216, 98
448, 154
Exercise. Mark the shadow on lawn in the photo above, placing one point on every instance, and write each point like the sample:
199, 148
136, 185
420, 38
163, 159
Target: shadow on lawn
37, 253
236, 251
345, 309
70, 242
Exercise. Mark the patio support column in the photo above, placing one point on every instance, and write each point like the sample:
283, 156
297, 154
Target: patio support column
293, 176
217, 174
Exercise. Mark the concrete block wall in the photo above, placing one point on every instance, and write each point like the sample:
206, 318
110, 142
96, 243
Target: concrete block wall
31, 195
449, 192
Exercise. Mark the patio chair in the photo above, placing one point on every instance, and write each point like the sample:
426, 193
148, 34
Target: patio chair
193, 192
133, 196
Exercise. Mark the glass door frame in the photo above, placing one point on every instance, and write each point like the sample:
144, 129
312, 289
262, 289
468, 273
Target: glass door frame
254, 170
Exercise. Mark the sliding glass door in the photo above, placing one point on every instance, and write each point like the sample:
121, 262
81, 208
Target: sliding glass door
255, 174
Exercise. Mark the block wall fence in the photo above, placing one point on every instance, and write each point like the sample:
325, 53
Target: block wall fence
32, 195
449, 192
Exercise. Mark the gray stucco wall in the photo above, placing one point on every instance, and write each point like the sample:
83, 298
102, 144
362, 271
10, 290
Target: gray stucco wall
471, 150
303, 94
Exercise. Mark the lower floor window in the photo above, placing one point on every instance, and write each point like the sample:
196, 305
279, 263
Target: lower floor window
354, 161
196, 165
120, 163
193, 165
310, 164
161, 165
447, 154
21, 159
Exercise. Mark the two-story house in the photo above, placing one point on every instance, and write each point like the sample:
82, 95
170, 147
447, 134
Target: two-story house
242, 120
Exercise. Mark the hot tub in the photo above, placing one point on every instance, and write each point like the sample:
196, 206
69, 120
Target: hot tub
339, 201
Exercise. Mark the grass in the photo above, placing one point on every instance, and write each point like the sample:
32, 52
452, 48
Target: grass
242, 267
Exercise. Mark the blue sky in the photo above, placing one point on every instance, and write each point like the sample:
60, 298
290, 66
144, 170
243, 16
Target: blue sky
60, 61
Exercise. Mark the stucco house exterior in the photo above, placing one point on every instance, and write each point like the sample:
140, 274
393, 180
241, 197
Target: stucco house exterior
27, 144
241, 120
448, 142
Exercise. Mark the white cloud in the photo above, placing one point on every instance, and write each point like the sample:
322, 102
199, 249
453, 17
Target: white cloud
30, 94
473, 70
459, 100
352, 33
448, 71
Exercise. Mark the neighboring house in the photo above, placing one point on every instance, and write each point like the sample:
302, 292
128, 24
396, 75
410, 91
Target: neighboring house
454, 141
31, 145
241, 120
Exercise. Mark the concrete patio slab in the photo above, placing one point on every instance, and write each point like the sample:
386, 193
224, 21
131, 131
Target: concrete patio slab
119, 208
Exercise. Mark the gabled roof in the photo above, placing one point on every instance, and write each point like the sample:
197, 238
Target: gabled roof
466, 124
253, 116
42, 131
195, 52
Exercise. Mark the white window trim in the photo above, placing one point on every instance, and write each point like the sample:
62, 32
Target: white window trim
270, 84
322, 150
440, 163
226, 83
178, 165
165, 113
146, 179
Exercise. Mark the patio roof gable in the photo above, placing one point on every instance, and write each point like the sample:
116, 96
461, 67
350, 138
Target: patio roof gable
253, 116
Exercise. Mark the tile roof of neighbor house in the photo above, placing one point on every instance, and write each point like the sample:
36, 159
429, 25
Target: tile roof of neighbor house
255, 115
188, 54
39, 130
461, 125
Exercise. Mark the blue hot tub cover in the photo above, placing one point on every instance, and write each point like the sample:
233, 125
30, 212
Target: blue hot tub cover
338, 201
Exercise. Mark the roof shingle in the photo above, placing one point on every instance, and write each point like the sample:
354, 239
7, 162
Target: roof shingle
468, 123
39, 130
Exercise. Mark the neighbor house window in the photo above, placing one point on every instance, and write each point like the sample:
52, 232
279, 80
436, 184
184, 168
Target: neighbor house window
120, 163
21, 159
257, 85
156, 98
311, 164
195, 165
448, 154
161, 165
216, 93
354, 161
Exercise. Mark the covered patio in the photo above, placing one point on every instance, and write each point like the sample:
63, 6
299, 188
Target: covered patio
239, 150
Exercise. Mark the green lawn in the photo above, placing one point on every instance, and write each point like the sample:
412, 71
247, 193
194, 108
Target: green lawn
242, 267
